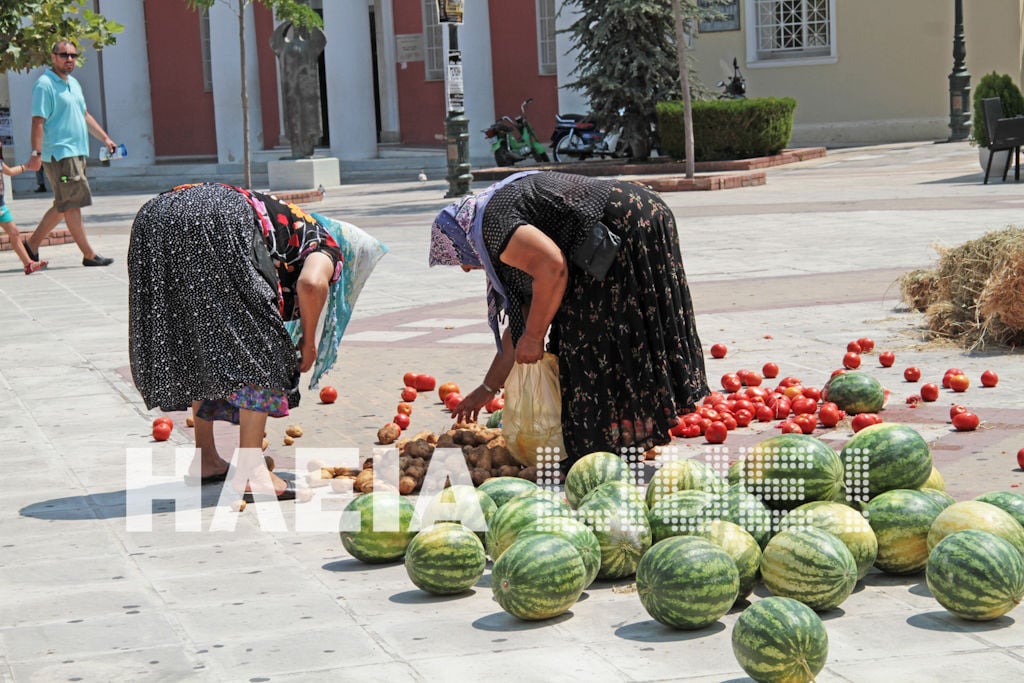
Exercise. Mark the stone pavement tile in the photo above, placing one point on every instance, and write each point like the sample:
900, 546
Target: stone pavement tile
387, 672
101, 634
102, 570
248, 583
981, 666
531, 665
61, 603
156, 664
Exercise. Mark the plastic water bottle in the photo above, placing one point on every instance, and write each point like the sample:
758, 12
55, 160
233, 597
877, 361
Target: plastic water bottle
120, 152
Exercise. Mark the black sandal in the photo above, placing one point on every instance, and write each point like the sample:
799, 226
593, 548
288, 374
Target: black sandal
287, 494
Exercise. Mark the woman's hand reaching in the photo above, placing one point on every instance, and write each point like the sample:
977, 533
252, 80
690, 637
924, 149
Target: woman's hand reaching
307, 352
469, 409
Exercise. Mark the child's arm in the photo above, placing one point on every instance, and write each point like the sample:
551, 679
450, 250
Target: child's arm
7, 170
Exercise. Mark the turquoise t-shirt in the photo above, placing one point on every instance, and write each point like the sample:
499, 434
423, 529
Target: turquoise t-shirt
62, 105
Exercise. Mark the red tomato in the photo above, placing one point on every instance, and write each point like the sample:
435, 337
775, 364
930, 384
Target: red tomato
789, 381
866, 344
402, 420
770, 370
446, 389
837, 371
790, 427
713, 398
730, 421
801, 405
929, 392
754, 379
829, 414
851, 361
764, 413
813, 393
163, 419
959, 383
691, 431
989, 378
966, 422
862, 420
409, 394
409, 379
807, 422
162, 431
854, 347
886, 359
716, 432
495, 404
404, 407
328, 395
912, 374
1020, 458
731, 382
677, 429
719, 350
453, 399
743, 417
424, 383
913, 400
692, 418
956, 409
781, 407
949, 373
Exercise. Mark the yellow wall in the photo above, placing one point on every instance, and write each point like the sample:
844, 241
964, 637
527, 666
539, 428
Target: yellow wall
890, 79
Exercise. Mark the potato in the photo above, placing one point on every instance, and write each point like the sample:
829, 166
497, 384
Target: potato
479, 475
364, 482
529, 473
420, 448
303, 495
315, 465
237, 505
294, 431
288, 440
388, 433
266, 443
191, 422
446, 440
345, 471
343, 484
316, 479
402, 445
407, 485
426, 435
508, 471
269, 462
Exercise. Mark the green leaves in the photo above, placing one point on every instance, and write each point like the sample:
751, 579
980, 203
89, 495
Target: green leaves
29, 28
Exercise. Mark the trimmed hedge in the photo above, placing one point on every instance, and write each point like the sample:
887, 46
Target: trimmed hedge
728, 129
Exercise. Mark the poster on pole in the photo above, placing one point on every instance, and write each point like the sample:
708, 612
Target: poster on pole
453, 83
449, 11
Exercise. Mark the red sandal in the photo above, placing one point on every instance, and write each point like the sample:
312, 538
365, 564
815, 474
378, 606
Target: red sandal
33, 266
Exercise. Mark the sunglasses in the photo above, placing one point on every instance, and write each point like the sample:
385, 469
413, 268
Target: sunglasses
67, 55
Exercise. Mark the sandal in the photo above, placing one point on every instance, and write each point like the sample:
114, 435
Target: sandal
33, 266
203, 481
287, 494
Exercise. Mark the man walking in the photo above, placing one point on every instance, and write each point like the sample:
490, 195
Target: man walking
60, 145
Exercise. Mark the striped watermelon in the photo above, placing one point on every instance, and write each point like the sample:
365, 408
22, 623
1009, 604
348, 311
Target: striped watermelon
592, 470
975, 514
735, 472
539, 576
461, 503
620, 491
518, 513
886, 456
855, 392
846, 523
780, 640
623, 531
1011, 503
683, 474
502, 489
446, 558
943, 499
935, 480
901, 519
976, 575
684, 513
749, 512
386, 524
810, 565
741, 547
577, 533
788, 470
686, 582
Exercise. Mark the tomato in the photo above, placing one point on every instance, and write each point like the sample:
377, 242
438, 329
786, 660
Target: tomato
453, 399
929, 392
402, 420
162, 431
829, 414
754, 379
770, 370
867, 344
813, 393
709, 413
912, 374
743, 417
716, 432
790, 427
163, 419
780, 407
730, 421
1020, 458
793, 391
959, 383
886, 359
446, 389
404, 408
495, 404
789, 381
713, 398
806, 422
719, 350
409, 379
989, 378
424, 383
731, 382
838, 371
692, 418
913, 400
949, 373
966, 422
956, 409
691, 431
328, 395
409, 394
802, 405
678, 428
862, 420
854, 347
764, 413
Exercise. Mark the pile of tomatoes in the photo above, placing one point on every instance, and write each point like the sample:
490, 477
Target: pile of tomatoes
448, 392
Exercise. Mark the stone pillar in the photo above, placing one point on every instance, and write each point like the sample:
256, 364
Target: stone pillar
477, 73
390, 128
227, 84
570, 100
350, 109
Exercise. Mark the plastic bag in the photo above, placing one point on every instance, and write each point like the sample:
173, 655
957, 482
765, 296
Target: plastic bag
532, 416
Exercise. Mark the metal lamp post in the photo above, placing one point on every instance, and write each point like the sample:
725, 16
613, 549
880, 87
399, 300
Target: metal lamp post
456, 125
959, 82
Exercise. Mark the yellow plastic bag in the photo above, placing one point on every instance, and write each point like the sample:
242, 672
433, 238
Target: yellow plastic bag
532, 418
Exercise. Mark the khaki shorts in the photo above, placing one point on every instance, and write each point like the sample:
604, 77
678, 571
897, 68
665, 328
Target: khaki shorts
70, 186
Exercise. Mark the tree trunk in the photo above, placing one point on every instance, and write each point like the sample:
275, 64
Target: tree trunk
684, 78
246, 151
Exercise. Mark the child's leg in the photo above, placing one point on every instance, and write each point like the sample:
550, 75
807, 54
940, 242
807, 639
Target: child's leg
12, 232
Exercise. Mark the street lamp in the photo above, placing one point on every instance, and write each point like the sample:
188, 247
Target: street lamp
456, 125
959, 82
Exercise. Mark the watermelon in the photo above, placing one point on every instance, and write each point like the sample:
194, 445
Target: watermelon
446, 558
741, 547
539, 576
846, 523
935, 480
577, 533
683, 474
687, 582
735, 472
747, 510
810, 565
623, 532
592, 470
901, 519
780, 640
684, 513
975, 514
941, 497
495, 419
502, 489
976, 575
1011, 503
855, 392
518, 513
883, 457
386, 524
620, 491
788, 470
461, 503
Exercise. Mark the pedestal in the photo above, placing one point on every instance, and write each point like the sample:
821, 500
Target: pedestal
303, 174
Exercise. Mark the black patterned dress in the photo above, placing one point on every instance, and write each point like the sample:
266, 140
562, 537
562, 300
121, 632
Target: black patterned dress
207, 305
629, 356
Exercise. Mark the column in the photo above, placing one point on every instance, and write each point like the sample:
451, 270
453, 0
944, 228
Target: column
390, 129
349, 59
124, 78
570, 100
227, 84
475, 43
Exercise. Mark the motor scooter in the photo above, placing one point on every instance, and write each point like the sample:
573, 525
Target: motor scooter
578, 137
513, 140
736, 88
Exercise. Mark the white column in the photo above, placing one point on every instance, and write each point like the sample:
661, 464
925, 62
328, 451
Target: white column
350, 108
390, 128
570, 100
19, 87
227, 84
477, 73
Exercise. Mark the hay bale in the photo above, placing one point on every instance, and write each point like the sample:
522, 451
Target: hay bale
918, 288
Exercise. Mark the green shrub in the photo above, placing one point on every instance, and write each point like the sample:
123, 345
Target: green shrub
728, 129
994, 85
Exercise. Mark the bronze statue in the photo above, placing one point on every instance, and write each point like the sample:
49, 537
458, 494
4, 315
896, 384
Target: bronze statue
299, 50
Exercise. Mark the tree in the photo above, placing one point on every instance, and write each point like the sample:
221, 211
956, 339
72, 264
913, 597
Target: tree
29, 28
295, 11
684, 78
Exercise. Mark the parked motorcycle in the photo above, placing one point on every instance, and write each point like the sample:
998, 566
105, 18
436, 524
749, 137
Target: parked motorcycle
578, 137
513, 140
736, 88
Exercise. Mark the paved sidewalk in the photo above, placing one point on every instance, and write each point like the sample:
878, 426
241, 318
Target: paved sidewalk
788, 271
